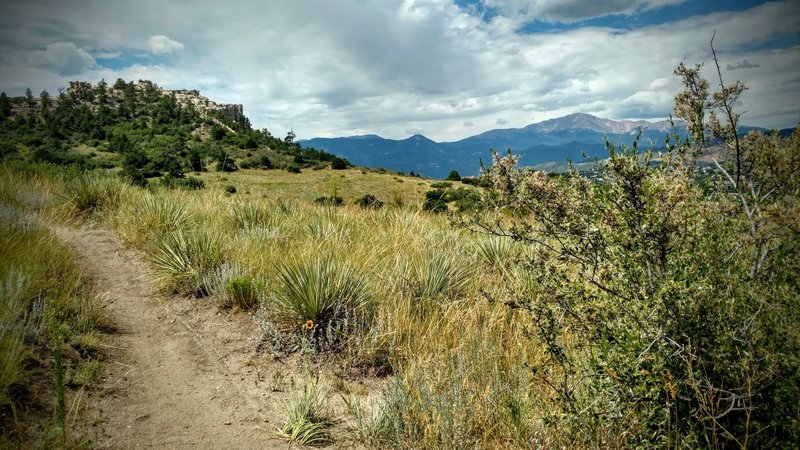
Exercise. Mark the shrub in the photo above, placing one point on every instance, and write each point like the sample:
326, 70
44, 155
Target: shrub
92, 192
496, 251
293, 168
435, 201
454, 176
229, 189
338, 164
242, 293
191, 183
250, 215
441, 185
369, 201
333, 200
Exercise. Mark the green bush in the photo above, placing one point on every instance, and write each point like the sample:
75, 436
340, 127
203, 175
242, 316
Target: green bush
92, 192
242, 293
307, 420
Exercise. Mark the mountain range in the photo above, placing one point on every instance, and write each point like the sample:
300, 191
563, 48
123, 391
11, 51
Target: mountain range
549, 144
574, 137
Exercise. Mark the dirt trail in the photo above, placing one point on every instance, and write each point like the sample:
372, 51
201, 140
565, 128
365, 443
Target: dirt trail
178, 374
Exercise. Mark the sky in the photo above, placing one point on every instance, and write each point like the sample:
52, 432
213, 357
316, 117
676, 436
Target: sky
447, 69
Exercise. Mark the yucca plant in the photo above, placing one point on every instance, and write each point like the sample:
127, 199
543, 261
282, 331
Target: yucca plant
324, 295
443, 274
496, 251
92, 192
251, 215
307, 420
185, 259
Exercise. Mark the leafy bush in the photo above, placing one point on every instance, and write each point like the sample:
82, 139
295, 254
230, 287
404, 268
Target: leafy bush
435, 201
229, 189
454, 176
191, 183
339, 164
293, 168
645, 313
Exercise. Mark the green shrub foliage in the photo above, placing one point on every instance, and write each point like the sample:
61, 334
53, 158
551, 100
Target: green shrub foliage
669, 310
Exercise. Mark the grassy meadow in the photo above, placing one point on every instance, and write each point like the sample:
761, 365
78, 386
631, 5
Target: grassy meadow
391, 290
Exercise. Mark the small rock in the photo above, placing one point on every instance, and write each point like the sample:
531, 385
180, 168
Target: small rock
227, 422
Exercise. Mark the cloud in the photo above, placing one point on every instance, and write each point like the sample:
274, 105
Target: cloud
745, 64
63, 58
568, 11
426, 64
160, 44
468, 124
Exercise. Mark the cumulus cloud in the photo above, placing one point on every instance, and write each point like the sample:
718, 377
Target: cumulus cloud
397, 67
160, 44
64, 58
745, 64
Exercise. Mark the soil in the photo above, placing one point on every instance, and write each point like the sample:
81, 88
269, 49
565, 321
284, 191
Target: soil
178, 373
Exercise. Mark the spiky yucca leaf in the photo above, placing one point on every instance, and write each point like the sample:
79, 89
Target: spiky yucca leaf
307, 420
184, 260
325, 291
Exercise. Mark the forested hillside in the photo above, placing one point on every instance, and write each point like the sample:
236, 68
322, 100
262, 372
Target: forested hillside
145, 131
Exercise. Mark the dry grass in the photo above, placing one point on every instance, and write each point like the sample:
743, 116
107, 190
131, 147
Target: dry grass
459, 360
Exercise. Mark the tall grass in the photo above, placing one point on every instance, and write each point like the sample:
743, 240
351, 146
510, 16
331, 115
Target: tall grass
13, 351
45, 303
394, 286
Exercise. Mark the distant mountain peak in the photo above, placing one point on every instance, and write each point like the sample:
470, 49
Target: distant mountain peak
419, 137
584, 121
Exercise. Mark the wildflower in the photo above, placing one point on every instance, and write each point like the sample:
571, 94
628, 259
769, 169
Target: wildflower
309, 324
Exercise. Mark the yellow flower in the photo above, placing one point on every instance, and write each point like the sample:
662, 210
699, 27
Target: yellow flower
309, 324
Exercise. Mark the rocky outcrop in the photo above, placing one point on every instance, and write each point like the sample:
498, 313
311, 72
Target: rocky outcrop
185, 97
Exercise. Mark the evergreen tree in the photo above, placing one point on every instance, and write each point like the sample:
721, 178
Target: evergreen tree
5, 106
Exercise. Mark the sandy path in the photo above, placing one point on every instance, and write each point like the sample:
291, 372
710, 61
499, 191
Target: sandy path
178, 374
